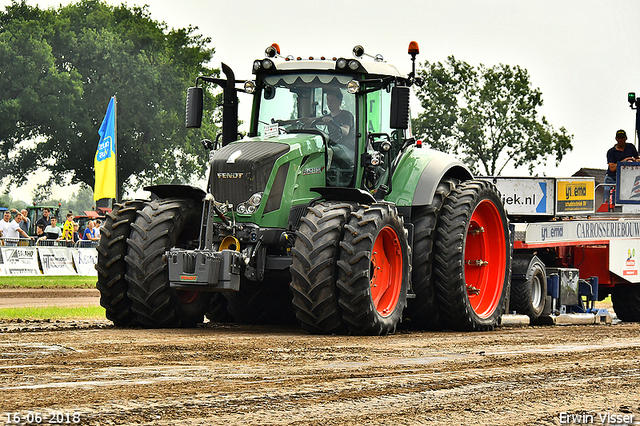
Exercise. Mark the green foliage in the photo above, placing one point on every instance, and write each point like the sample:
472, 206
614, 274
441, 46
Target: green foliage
58, 69
486, 116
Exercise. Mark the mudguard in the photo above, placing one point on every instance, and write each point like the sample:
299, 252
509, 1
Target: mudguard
418, 174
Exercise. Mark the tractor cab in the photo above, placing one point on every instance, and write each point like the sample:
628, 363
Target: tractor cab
348, 102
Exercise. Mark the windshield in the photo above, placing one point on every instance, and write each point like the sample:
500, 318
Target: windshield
294, 100
317, 102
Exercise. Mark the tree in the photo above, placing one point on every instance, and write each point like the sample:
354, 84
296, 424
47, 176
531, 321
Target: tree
486, 116
58, 69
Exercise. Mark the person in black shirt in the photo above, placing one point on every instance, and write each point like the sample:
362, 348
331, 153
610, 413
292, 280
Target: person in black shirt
621, 151
44, 220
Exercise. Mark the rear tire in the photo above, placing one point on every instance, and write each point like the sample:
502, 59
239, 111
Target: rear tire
626, 302
314, 269
374, 270
473, 229
528, 286
161, 225
423, 311
111, 265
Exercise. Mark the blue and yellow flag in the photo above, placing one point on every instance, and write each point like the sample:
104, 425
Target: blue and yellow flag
105, 160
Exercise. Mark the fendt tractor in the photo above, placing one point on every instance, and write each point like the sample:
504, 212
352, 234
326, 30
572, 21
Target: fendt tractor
329, 212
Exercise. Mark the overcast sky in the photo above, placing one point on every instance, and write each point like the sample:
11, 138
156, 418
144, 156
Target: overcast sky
583, 55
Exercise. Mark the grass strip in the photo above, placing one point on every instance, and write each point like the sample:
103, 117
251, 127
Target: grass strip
53, 313
72, 281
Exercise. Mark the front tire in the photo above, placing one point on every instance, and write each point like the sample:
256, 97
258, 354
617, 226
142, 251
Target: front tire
374, 270
111, 265
314, 269
161, 225
473, 257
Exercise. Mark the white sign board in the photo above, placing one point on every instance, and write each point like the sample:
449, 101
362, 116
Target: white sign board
624, 259
524, 196
628, 191
581, 230
56, 261
85, 260
20, 261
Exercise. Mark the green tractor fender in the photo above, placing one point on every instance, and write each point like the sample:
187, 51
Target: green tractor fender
418, 174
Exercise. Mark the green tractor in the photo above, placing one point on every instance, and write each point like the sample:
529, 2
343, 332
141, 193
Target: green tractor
329, 213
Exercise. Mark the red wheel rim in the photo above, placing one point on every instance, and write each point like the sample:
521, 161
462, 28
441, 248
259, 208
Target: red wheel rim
485, 259
187, 296
386, 271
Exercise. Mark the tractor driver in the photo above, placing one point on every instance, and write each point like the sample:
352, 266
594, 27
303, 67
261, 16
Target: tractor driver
340, 126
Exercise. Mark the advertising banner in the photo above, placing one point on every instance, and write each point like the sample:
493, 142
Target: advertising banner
524, 196
624, 259
56, 261
575, 196
628, 183
581, 230
85, 260
19, 261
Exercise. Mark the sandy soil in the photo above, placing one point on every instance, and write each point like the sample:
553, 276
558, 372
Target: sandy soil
228, 374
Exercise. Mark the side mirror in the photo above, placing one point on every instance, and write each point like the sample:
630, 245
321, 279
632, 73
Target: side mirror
195, 100
399, 107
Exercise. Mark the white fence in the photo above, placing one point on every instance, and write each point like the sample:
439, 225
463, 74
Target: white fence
18, 257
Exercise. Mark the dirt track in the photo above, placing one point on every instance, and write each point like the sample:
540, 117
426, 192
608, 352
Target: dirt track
264, 375
252, 375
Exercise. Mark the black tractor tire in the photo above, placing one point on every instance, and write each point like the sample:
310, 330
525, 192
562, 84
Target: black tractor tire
314, 269
217, 311
111, 265
161, 225
261, 302
626, 302
528, 286
473, 229
422, 312
375, 270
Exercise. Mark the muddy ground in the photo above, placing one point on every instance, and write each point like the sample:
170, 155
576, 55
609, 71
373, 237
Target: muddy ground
228, 374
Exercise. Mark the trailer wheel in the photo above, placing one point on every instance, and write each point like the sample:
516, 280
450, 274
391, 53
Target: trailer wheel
314, 269
374, 270
111, 265
423, 311
473, 257
626, 303
261, 302
528, 286
163, 224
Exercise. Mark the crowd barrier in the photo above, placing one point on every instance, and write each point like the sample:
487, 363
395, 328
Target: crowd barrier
47, 257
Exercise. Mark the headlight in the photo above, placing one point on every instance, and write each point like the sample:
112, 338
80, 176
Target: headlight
257, 64
251, 209
353, 86
249, 87
255, 199
242, 209
267, 64
341, 63
354, 65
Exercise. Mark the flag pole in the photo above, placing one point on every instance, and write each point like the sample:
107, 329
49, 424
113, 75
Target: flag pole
115, 141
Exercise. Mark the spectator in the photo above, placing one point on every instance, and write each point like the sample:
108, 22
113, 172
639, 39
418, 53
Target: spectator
53, 232
97, 228
76, 235
4, 223
621, 152
14, 232
44, 220
67, 228
40, 232
90, 232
